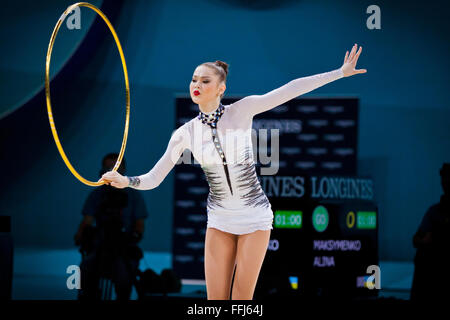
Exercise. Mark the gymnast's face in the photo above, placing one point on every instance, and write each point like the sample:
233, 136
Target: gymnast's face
205, 86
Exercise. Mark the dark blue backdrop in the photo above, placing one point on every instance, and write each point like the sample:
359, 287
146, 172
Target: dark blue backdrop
404, 111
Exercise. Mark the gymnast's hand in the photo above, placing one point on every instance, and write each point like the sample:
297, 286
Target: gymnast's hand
350, 62
115, 179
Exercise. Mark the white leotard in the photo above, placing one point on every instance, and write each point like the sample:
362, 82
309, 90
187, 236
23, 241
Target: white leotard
239, 207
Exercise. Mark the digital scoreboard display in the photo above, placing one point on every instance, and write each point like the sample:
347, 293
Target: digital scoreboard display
365, 219
321, 248
288, 219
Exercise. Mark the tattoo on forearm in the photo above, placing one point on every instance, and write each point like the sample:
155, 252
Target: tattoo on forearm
134, 181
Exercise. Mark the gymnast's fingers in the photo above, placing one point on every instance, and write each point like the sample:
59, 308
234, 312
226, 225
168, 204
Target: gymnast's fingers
103, 180
352, 53
106, 180
109, 175
346, 56
355, 58
116, 184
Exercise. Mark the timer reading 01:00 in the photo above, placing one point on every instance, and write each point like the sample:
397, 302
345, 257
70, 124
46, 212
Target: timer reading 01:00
288, 219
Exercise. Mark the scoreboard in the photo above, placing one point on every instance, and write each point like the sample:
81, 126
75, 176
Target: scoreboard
320, 247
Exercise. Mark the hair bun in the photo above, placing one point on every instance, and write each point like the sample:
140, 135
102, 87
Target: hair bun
222, 64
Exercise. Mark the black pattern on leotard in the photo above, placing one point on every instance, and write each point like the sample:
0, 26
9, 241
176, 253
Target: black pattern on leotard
217, 190
248, 184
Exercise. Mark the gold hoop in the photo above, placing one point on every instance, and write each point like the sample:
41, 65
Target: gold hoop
47, 91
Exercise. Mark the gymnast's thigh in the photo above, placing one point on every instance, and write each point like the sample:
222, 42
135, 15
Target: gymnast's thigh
220, 257
251, 250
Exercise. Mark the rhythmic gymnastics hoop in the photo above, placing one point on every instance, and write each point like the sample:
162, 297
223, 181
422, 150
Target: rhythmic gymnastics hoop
47, 91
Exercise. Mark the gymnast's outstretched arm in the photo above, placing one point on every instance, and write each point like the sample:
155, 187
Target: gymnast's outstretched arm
254, 104
177, 144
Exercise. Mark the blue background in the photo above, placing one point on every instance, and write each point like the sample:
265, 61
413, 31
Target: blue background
404, 111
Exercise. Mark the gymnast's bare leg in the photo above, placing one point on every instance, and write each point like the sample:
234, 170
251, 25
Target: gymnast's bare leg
251, 250
220, 257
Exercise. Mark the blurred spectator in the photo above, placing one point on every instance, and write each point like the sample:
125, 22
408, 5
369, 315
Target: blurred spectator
432, 241
108, 237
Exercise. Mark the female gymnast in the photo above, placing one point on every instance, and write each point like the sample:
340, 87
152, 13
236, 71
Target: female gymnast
239, 214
